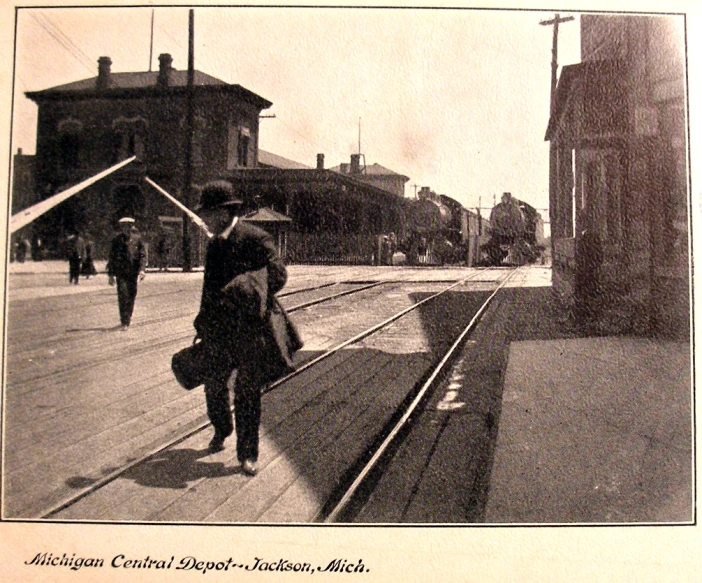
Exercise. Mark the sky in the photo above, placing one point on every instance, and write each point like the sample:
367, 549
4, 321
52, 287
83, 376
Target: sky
456, 100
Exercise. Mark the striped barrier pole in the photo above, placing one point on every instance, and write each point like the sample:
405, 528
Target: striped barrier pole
23, 218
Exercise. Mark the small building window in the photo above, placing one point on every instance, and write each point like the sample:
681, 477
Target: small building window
243, 150
239, 145
129, 137
69, 150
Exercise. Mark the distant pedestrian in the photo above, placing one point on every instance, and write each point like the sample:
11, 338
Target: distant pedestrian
37, 251
126, 265
88, 266
422, 249
163, 251
392, 247
21, 250
383, 250
75, 251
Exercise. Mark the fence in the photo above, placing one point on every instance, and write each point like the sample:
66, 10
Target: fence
331, 248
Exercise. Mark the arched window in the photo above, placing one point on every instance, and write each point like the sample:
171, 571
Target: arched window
130, 134
69, 142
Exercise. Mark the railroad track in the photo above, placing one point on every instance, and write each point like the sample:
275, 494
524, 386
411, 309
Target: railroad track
51, 340
385, 437
338, 506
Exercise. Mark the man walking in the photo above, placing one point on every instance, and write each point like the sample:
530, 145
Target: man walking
126, 264
242, 272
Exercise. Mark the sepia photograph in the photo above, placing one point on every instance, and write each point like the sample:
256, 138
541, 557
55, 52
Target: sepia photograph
375, 275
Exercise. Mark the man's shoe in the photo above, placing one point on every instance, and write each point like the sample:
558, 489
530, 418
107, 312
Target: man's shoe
249, 467
216, 444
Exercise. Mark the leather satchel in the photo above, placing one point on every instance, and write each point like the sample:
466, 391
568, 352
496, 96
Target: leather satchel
192, 366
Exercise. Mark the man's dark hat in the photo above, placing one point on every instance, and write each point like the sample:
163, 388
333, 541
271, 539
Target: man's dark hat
216, 194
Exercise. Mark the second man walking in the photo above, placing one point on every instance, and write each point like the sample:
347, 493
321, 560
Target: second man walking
126, 265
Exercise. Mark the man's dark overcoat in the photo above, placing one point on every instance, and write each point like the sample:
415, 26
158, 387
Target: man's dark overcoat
127, 256
242, 274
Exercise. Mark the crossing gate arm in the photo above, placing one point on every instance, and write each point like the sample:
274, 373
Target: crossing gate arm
193, 216
23, 218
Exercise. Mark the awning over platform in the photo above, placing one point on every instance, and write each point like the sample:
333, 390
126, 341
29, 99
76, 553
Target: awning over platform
267, 215
590, 102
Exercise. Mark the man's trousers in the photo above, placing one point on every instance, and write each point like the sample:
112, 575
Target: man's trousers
247, 410
126, 294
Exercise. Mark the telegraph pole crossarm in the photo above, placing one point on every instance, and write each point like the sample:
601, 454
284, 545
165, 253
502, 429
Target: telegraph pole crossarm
554, 52
552, 164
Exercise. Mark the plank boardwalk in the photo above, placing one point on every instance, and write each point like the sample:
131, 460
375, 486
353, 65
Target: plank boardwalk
83, 400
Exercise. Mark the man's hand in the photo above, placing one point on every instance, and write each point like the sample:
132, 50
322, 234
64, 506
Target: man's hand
111, 280
142, 275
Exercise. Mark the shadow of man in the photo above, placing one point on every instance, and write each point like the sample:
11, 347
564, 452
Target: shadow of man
176, 467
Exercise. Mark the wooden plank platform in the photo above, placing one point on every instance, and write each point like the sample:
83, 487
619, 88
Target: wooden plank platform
315, 428
82, 399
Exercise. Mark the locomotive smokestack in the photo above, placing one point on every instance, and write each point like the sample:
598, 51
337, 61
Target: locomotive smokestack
320, 161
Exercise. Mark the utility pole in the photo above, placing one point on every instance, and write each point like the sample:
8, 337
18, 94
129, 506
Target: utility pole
359, 135
151, 45
415, 186
188, 178
552, 157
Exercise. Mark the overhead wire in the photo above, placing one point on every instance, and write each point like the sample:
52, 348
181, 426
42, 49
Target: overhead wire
53, 30
60, 37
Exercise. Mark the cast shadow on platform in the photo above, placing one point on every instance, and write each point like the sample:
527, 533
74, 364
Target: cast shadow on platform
99, 329
176, 467
169, 469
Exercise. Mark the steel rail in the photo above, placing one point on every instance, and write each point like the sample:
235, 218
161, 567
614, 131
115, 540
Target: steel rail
307, 289
382, 448
152, 344
110, 477
334, 296
366, 333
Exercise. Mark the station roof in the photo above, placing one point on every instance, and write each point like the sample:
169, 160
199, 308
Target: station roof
597, 87
144, 79
369, 170
275, 161
141, 83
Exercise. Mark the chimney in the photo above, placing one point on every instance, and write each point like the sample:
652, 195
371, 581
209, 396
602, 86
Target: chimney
19, 151
103, 79
164, 70
355, 164
320, 161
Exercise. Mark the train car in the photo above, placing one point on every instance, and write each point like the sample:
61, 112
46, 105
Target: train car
516, 234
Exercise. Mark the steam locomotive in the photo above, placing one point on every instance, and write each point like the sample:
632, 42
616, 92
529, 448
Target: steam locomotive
440, 230
516, 234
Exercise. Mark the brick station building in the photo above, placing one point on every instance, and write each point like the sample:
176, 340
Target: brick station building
619, 218
86, 126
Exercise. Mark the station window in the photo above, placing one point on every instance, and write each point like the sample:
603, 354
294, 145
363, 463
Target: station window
243, 148
601, 193
129, 137
69, 143
69, 150
239, 144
